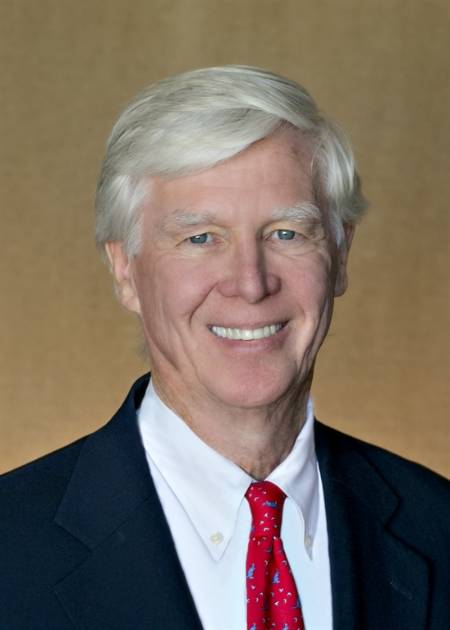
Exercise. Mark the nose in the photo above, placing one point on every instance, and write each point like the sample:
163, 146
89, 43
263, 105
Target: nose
247, 276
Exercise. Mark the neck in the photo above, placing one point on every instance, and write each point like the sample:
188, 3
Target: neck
255, 439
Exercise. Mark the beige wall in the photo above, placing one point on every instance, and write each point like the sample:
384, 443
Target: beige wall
381, 67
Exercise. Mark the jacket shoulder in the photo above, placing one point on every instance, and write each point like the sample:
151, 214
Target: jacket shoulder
36, 553
39, 483
38, 487
421, 491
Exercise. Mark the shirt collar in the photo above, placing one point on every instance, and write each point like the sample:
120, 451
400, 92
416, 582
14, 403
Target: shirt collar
298, 477
195, 473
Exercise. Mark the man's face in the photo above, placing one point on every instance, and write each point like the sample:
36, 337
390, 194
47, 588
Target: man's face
234, 289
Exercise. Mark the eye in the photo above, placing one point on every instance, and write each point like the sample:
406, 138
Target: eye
200, 239
285, 235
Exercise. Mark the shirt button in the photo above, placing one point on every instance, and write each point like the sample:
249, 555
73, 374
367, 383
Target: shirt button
216, 538
308, 541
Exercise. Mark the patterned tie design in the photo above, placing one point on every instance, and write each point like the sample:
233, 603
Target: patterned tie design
272, 598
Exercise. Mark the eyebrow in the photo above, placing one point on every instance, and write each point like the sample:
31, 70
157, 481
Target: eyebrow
303, 212
185, 218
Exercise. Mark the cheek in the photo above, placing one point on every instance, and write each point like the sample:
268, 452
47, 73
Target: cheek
173, 290
312, 288
314, 302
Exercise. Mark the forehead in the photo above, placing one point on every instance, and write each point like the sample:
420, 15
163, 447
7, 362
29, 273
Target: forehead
270, 174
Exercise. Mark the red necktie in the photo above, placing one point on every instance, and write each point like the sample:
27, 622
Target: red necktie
272, 598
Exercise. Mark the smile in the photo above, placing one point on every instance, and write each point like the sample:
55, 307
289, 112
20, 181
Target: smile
246, 334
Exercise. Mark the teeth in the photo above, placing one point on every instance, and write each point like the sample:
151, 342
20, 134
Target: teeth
246, 334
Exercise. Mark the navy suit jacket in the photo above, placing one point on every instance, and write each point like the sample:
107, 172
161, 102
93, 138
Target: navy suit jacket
85, 544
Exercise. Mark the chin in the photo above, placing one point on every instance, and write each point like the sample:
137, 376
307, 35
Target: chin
251, 393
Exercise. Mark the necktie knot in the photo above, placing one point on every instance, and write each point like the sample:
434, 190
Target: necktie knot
266, 503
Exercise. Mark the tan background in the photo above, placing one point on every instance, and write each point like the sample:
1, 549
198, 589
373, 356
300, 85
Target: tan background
381, 68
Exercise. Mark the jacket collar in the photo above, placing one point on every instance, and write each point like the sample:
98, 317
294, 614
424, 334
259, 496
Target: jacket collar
132, 577
111, 478
377, 578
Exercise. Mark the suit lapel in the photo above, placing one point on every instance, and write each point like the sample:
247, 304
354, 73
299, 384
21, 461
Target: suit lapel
377, 579
132, 577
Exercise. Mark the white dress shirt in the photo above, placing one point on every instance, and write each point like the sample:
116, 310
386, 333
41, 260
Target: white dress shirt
202, 495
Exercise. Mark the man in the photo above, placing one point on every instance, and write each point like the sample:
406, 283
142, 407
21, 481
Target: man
226, 209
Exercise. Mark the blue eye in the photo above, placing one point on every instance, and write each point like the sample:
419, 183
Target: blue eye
285, 235
200, 239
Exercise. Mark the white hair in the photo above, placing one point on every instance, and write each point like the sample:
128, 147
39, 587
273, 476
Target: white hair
190, 122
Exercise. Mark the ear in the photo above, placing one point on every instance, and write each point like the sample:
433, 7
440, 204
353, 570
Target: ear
341, 283
120, 265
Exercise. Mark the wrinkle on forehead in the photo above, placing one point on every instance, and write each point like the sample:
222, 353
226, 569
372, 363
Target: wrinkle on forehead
288, 141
